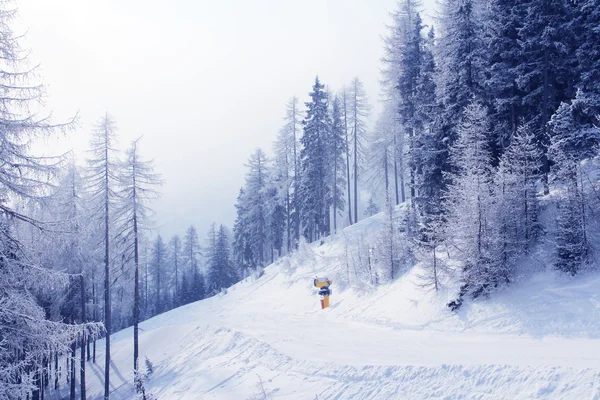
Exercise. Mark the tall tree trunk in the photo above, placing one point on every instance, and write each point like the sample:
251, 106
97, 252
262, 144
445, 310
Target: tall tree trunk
83, 338
55, 371
355, 171
72, 369
288, 221
136, 288
347, 159
387, 181
146, 281
176, 256
88, 352
335, 193
296, 180
402, 192
545, 106
412, 168
107, 308
396, 170
158, 282
94, 309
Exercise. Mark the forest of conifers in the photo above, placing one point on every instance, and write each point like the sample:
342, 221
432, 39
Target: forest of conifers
489, 121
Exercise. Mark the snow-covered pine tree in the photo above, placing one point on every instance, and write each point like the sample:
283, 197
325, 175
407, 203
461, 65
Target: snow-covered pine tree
359, 107
190, 255
337, 149
372, 208
548, 62
429, 242
516, 196
256, 206
572, 140
429, 147
174, 249
394, 55
470, 206
411, 60
137, 183
380, 156
588, 56
503, 21
242, 251
102, 179
158, 270
395, 42
276, 215
315, 190
221, 273
461, 52
345, 110
287, 165
388, 246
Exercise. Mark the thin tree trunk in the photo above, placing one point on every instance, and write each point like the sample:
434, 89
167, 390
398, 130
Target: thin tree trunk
545, 106
402, 192
396, 170
136, 289
158, 283
335, 194
347, 159
146, 278
296, 179
176, 256
55, 371
355, 171
88, 352
387, 181
583, 218
72, 370
83, 339
435, 278
107, 308
94, 309
412, 168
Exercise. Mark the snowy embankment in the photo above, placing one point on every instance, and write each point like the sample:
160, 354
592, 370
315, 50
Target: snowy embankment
539, 338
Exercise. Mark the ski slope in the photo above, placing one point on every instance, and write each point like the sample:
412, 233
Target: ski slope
538, 339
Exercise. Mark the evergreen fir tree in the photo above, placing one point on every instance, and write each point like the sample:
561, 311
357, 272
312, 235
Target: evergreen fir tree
503, 23
315, 189
372, 208
470, 207
191, 254
221, 273
429, 147
337, 149
461, 52
571, 142
158, 268
546, 68
256, 206
359, 110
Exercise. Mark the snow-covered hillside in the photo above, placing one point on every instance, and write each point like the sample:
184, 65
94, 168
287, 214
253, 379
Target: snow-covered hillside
539, 338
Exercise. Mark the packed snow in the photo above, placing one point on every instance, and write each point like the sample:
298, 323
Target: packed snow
536, 339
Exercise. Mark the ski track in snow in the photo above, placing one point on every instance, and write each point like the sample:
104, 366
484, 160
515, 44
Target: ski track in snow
538, 339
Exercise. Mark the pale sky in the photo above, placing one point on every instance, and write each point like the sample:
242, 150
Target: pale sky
205, 82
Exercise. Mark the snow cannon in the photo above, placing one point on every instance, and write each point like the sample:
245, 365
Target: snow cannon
324, 291
322, 282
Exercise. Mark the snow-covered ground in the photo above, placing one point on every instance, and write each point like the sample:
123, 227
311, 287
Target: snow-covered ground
538, 339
